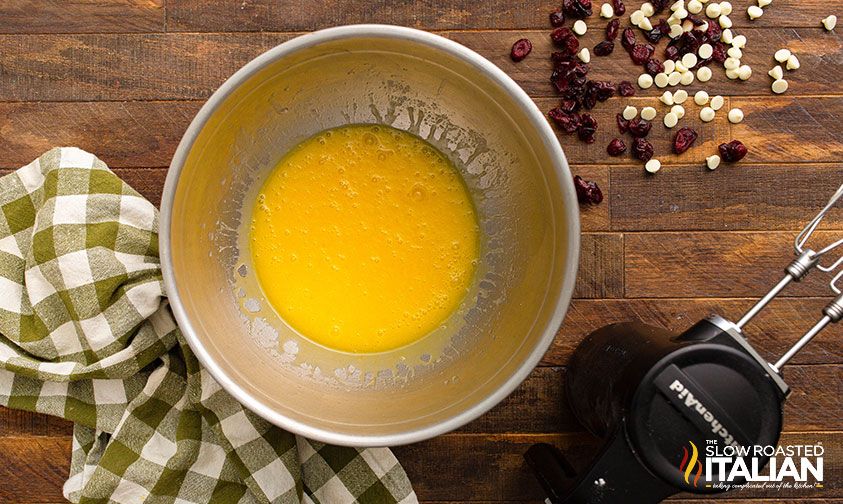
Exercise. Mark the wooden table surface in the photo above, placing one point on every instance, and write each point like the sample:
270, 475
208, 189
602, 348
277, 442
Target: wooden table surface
123, 78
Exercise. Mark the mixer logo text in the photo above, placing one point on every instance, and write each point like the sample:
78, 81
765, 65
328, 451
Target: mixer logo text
692, 403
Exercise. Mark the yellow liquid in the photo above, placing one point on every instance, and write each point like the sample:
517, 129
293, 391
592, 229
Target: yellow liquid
364, 238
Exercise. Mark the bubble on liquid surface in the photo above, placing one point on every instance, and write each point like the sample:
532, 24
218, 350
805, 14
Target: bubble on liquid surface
243, 270
252, 305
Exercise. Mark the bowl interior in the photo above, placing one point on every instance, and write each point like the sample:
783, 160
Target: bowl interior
518, 184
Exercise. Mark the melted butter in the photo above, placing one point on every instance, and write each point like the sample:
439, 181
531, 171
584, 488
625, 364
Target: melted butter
364, 238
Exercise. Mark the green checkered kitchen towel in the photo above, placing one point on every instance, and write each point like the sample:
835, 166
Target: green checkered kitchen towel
86, 334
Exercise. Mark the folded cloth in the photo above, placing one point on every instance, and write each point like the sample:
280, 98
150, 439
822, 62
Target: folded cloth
86, 334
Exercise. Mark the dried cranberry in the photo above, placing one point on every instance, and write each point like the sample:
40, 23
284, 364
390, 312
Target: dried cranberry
732, 151
569, 105
588, 125
604, 48
642, 149
620, 8
660, 5
657, 32
557, 19
640, 54
719, 53
561, 33
683, 140
577, 8
639, 127
672, 53
697, 20
603, 90
654, 67
616, 147
565, 39
587, 191
520, 49
623, 124
714, 32
612, 28
628, 39
569, 122
625, 88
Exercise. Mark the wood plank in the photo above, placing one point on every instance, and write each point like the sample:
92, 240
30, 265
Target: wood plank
710, 134
492, 468
191, 65
601, 266
275, 15
709, 264
24, 423
771, 332
33, 469
791, 129
739, 196
122, 134
81, 16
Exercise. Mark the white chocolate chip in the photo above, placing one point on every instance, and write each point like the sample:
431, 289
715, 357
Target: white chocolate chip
732, 73
645, 24
670, 120
744, 72
675, 30
704, 74
680, 67
674, 78
779, 86
687, 25
764, 3
678, 111
645, 81
648, 113
754, 12
674, 20
725, 8
782, 55
726, 38
689, 60
739, 41
681, 13
717, 102
584, 55
695, 7
735, 115
731, 63
677, 5
648, 9
705, 51
680, 96
606, 10
712, 162
713, 10
703, 27
669, 66
707, 114
661, 79
701, 98
830, 22
792, 62
636, 17
776, 72
734, 52
725, 22
630, 112
687, 79
667, 98
653, 165
580, 27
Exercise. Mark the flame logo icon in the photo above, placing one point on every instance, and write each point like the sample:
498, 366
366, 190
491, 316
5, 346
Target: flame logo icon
689, 466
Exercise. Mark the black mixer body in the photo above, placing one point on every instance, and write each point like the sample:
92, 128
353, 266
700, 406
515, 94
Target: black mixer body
661, 404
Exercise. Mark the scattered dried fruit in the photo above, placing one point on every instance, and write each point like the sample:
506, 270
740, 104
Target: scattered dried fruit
654, 67
612, 29
587, 192
628, 39
579, 9
616, 147
640, 54
683, 140
625, 89
588, 125
642, 149
565, 39
520, 49
639, 127
557, 19
604, 48
623, 124
620, 8
569, 122
733, 151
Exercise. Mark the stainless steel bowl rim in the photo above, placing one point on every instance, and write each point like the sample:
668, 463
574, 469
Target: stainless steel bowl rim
487, 68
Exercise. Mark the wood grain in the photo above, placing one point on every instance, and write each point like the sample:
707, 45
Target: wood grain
33, 469
771, 332
158, 66
739, 196
791, 129
710, 264
81, 16
601, 267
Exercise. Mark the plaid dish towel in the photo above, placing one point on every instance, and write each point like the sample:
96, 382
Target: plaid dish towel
86, 334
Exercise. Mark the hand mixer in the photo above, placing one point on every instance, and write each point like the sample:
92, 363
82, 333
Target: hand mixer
656, 400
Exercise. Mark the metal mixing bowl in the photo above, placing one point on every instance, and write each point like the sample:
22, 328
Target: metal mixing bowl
520, 184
